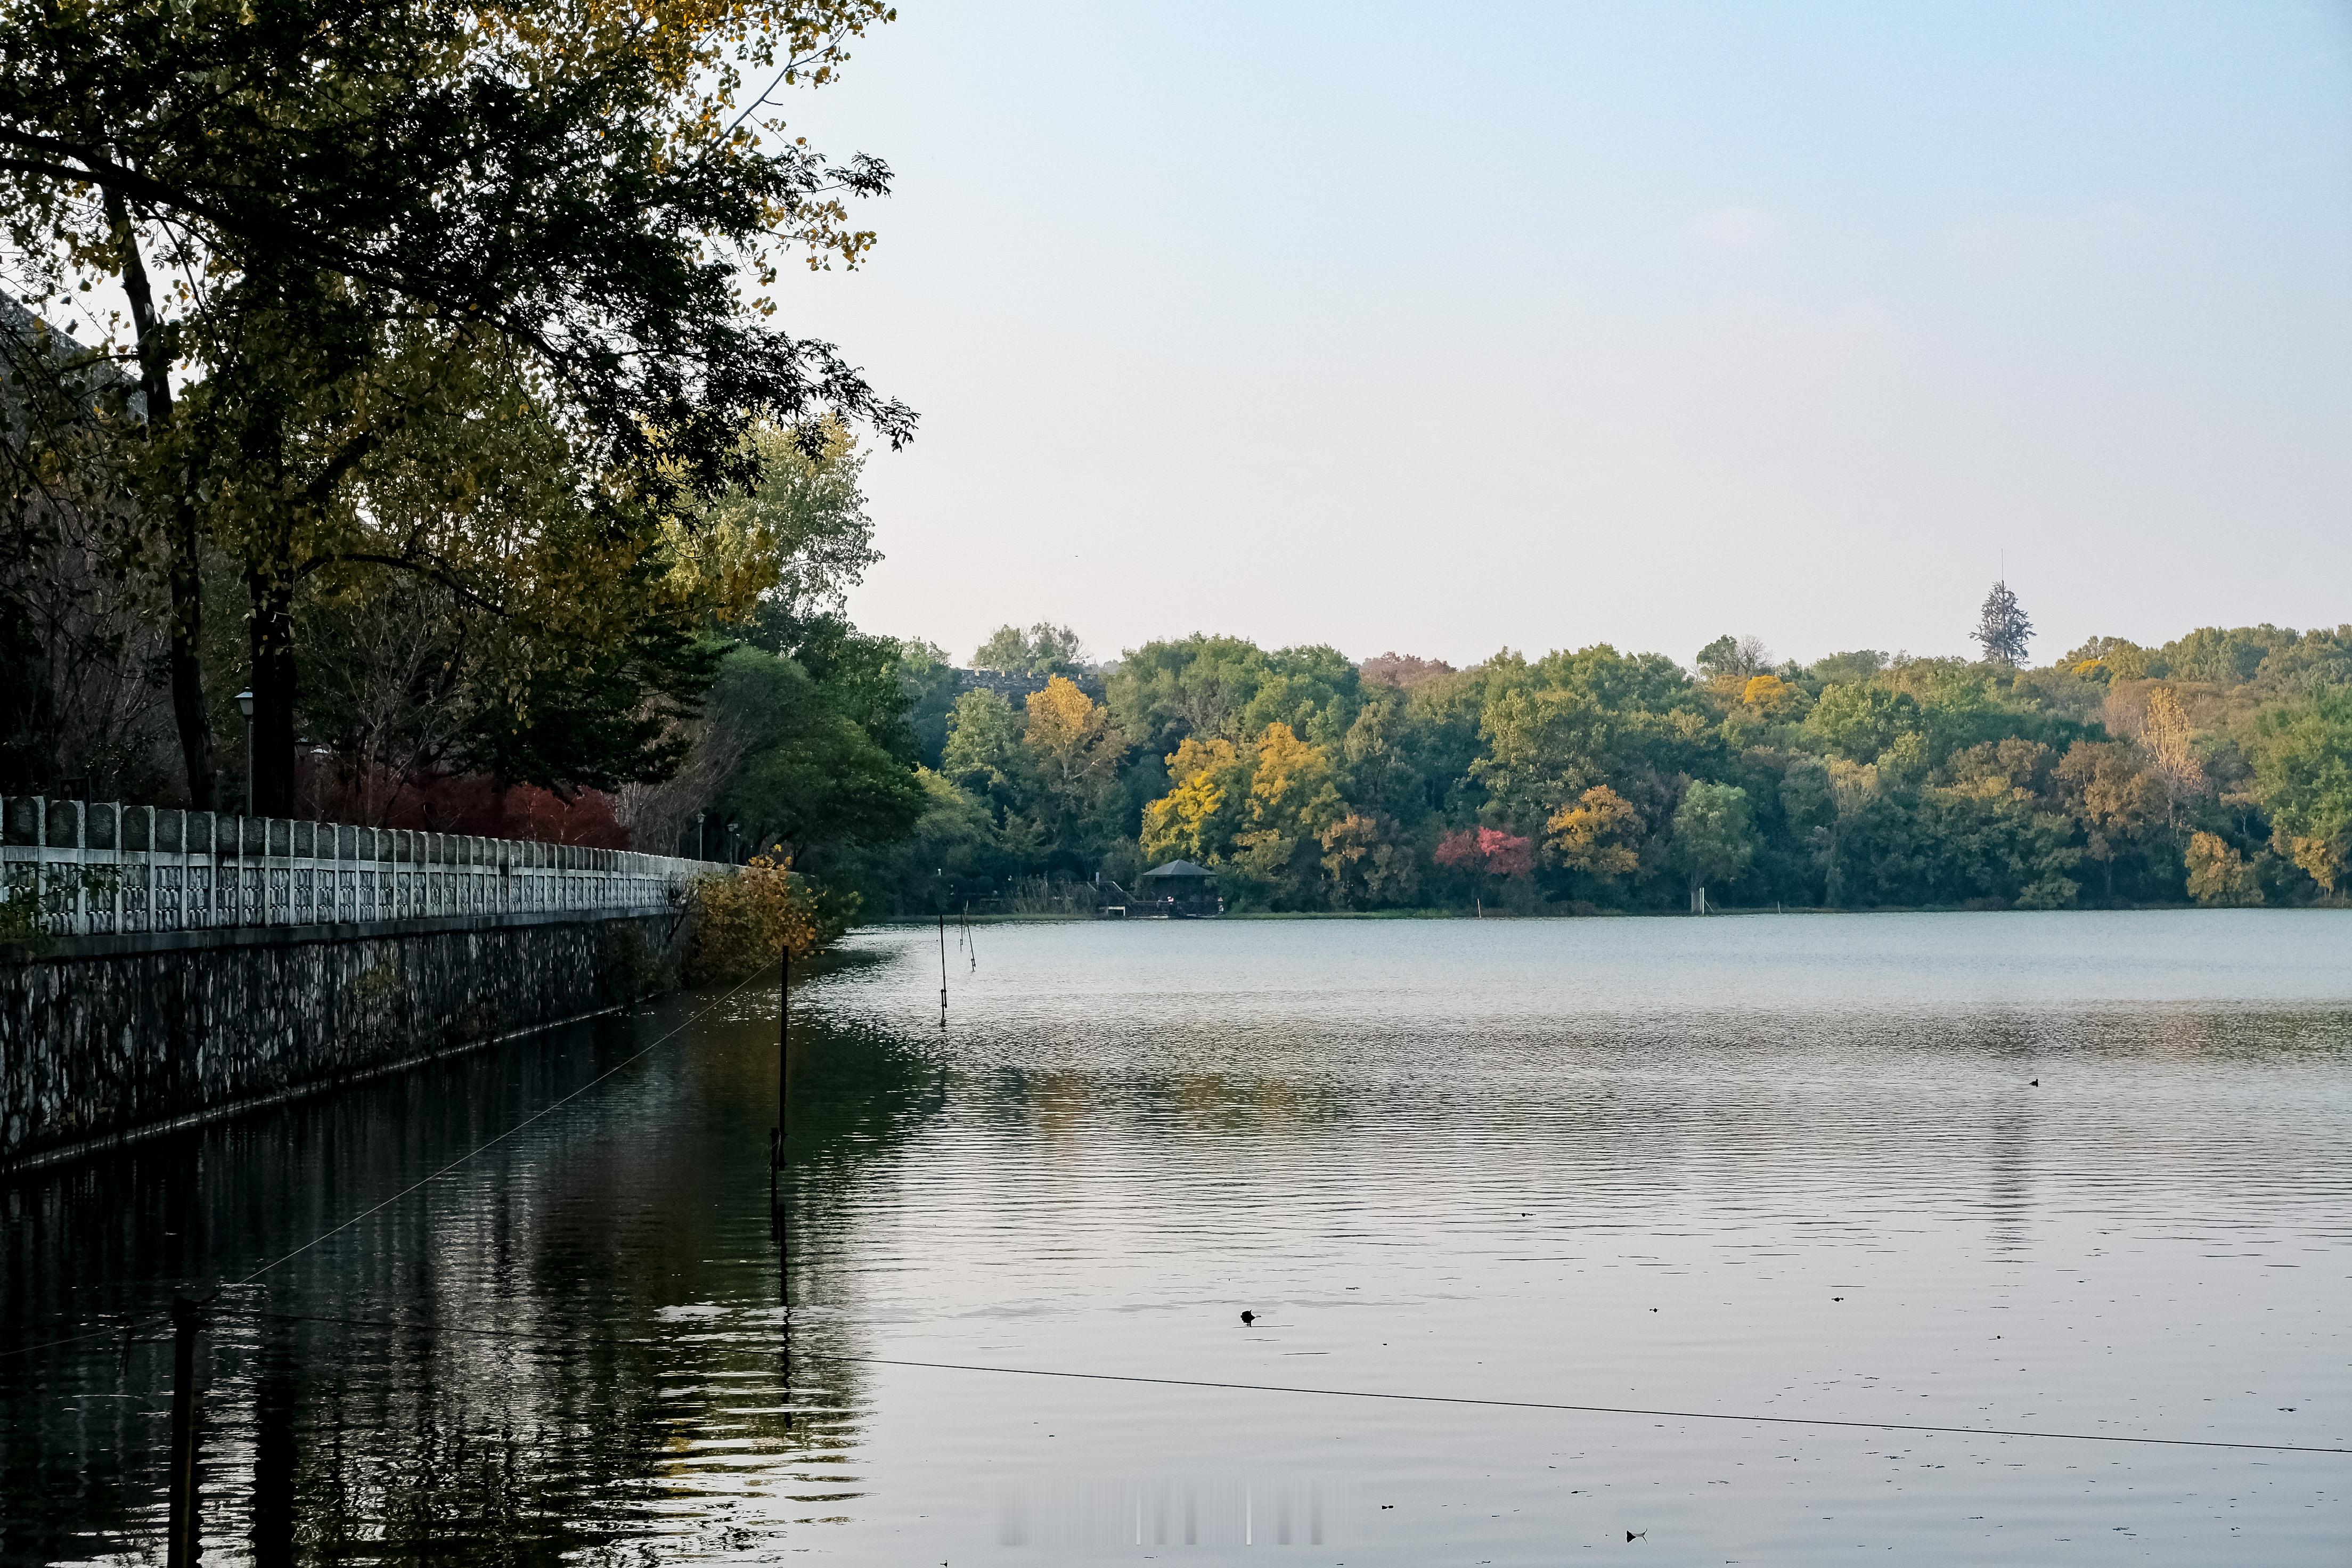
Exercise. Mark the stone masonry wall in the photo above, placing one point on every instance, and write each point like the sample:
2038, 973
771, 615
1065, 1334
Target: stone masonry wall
103, 1038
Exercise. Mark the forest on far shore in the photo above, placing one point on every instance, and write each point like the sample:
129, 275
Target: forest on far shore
2214, 769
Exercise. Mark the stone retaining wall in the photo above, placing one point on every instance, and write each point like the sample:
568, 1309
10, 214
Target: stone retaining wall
104, 1038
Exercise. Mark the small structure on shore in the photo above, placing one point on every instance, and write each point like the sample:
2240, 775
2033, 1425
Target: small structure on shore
1182, 891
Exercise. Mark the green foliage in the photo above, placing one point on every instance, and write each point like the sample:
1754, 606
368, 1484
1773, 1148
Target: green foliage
608, 717
1859, 722
2218, 877
1543, 748
1164, 692
865, 677
1847, 669
2303, 766
811, 777
1313, 690
928, 681
1644, 683
1994, 846
958, 836
2318, 659
1044, 649
2221, 657
2275, 661
1714, 836
983, 753
803, 510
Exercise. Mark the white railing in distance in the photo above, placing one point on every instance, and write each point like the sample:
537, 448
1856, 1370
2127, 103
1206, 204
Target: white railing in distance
99, 868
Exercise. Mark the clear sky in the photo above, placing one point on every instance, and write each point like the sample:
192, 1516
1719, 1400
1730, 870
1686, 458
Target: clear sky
1448, 328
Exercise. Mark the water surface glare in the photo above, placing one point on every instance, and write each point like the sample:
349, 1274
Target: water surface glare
1790, 1167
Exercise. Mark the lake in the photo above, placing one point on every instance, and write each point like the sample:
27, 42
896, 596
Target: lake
1718, 1214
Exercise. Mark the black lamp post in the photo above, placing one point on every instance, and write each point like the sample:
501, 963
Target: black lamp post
698, 836
730, 841
244, 706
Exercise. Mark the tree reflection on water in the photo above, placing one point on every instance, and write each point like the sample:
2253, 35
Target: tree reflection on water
571, 1346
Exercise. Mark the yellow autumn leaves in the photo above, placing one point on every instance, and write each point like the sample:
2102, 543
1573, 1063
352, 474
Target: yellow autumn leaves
1270, 812
747, 918
1225, 801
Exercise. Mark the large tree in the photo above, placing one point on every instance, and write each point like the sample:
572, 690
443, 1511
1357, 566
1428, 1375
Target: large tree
383, 228
1715, 834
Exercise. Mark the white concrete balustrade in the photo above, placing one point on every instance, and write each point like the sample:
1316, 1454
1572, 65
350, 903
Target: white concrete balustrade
98, 868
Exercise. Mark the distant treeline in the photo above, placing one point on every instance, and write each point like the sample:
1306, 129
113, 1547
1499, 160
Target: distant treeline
2216, 768
697, 689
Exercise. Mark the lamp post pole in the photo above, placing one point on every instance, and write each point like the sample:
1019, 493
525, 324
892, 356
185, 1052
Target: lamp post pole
698, 836
244, 706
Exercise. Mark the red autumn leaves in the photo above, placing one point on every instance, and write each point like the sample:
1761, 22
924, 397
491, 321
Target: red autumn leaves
1487, 849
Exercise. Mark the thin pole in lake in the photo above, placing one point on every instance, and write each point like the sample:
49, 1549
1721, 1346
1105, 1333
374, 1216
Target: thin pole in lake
777, 1134
185, 1519
944, 963
784, 1330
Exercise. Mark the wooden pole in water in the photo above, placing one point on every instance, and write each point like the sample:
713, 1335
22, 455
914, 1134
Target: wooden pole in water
187, 1532
275, 1455
944, 963
784, 1300
777, 1134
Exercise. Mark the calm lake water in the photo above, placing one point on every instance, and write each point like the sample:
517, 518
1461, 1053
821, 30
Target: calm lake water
1788, 1167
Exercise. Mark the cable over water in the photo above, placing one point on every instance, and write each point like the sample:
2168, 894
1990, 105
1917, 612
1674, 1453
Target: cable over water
1230, 1385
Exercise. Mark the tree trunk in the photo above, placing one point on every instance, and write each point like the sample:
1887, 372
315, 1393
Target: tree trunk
273, 693
184, 535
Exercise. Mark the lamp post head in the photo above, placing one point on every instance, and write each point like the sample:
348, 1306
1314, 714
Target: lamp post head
245, 704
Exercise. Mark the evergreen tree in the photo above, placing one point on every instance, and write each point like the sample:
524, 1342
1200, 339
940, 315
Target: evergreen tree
2003, 629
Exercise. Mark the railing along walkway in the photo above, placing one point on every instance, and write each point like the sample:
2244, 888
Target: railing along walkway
97, 868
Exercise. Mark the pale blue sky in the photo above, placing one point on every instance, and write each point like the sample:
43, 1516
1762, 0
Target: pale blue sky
1442, 329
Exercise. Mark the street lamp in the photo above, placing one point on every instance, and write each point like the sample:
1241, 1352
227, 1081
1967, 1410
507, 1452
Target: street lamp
730, 841
244, 706
697, 838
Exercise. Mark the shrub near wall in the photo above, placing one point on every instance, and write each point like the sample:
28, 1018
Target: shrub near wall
745, 919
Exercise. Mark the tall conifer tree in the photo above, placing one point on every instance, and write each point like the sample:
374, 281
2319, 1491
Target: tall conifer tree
2003, 629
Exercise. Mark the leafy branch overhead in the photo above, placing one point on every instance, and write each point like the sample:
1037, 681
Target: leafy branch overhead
588, 181
484, 296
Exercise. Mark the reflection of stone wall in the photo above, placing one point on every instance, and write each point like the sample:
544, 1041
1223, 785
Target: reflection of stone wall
103, 1038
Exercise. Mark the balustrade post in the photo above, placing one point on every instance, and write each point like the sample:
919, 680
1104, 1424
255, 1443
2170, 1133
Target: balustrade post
135, 833
64, 834
102, 875
20, 851
201, 874
170, 908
